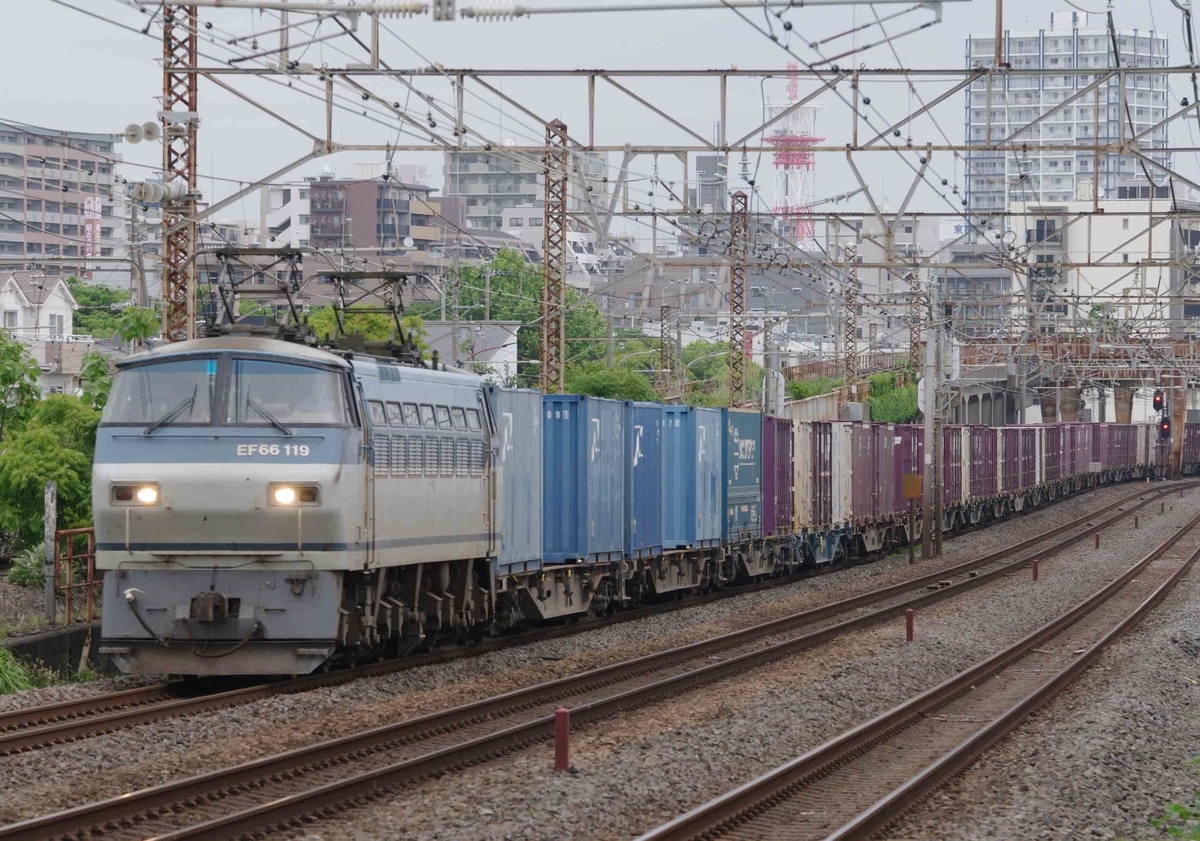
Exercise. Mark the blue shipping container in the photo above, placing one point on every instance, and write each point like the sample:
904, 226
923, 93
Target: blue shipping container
518, 460
583, 479
643, 479
693, 489
743, 475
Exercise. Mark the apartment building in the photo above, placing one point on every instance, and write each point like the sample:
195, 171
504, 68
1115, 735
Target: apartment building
1074, 42
59, 213
1130, 270
492, 181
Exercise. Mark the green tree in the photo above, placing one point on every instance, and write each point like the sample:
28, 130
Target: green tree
72, 420
19, 390
137, 324
600, 381
100, 308
97, 382
29, 460
510, 289
372, 326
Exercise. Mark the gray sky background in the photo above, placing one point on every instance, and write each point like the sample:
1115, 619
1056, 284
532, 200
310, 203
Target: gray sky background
71, 71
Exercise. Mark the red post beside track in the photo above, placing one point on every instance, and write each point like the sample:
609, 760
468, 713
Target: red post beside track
1097, 541
1135, 521
908, 625
1035, 569
562, 733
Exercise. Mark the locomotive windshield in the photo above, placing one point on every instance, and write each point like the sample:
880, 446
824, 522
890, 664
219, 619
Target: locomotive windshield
229, 391
274, 393
169, 393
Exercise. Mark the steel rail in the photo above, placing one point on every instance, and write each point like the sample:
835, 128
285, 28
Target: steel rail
756, 800
127, 811
32, 728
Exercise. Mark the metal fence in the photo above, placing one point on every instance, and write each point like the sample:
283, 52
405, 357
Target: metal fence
75, 569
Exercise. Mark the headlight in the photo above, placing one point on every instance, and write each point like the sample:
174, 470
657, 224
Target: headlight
135, 493
289, 495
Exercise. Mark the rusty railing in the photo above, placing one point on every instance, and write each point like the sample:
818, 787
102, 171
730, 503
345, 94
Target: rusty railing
72, 548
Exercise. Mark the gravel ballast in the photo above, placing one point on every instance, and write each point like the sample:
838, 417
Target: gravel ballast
832, 688
649, 765
1103, 759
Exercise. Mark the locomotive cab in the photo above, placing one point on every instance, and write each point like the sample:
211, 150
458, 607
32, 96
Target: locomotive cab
228, 495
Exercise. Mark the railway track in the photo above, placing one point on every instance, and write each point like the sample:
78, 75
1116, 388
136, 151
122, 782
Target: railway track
37, 727
851, 787
294, 786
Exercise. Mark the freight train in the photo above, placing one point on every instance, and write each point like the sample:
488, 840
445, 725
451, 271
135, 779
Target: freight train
270, 508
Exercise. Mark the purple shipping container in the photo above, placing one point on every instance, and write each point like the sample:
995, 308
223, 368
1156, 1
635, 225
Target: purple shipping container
1100, 445
952, 465
1122, 445
873, 449
1191, 443
908, 457
822, 473
778, 496
983, 462
1012, 464
1052, 449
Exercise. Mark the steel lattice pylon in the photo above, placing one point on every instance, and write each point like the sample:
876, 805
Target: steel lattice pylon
914, 321
179, 164
554, 260
739, 250
664, 348
850, 316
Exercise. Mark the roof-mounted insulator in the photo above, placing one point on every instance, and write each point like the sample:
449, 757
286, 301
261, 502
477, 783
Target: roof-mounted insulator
494, 10
398, 10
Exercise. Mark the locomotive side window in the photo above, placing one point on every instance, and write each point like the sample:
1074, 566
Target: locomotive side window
459, 418
411, 418
427, 419
377, 416
266, 393
166, 393
473, 419
443, 417
395, 418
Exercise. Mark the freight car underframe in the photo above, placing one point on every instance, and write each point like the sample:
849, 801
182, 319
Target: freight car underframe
836, 543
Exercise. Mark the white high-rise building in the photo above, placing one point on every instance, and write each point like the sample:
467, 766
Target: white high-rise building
1074, 42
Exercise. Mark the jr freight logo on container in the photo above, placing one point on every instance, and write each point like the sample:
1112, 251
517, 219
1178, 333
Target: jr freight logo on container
745, 449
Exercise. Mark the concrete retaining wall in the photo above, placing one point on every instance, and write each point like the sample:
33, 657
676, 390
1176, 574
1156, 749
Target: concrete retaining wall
59, 649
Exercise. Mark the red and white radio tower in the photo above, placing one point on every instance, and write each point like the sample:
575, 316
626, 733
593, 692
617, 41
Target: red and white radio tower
793, 137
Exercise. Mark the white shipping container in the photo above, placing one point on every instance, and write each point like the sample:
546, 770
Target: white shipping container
802, 460
843, 473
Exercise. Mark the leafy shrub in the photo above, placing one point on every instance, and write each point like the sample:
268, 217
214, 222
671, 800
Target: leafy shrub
896, 405
803, 389
27, 567
14, 677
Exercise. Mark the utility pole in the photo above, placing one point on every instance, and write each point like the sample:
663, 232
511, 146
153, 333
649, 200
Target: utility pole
773, 388
454, 314
487, 294
554, 260
180, 120
930, 410
135, 248
610, 339
739, 249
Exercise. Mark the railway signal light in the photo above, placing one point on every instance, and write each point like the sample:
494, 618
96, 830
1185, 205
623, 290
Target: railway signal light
1164, 429
1158, 400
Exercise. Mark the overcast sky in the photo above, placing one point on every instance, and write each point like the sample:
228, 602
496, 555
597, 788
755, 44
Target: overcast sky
66, 70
